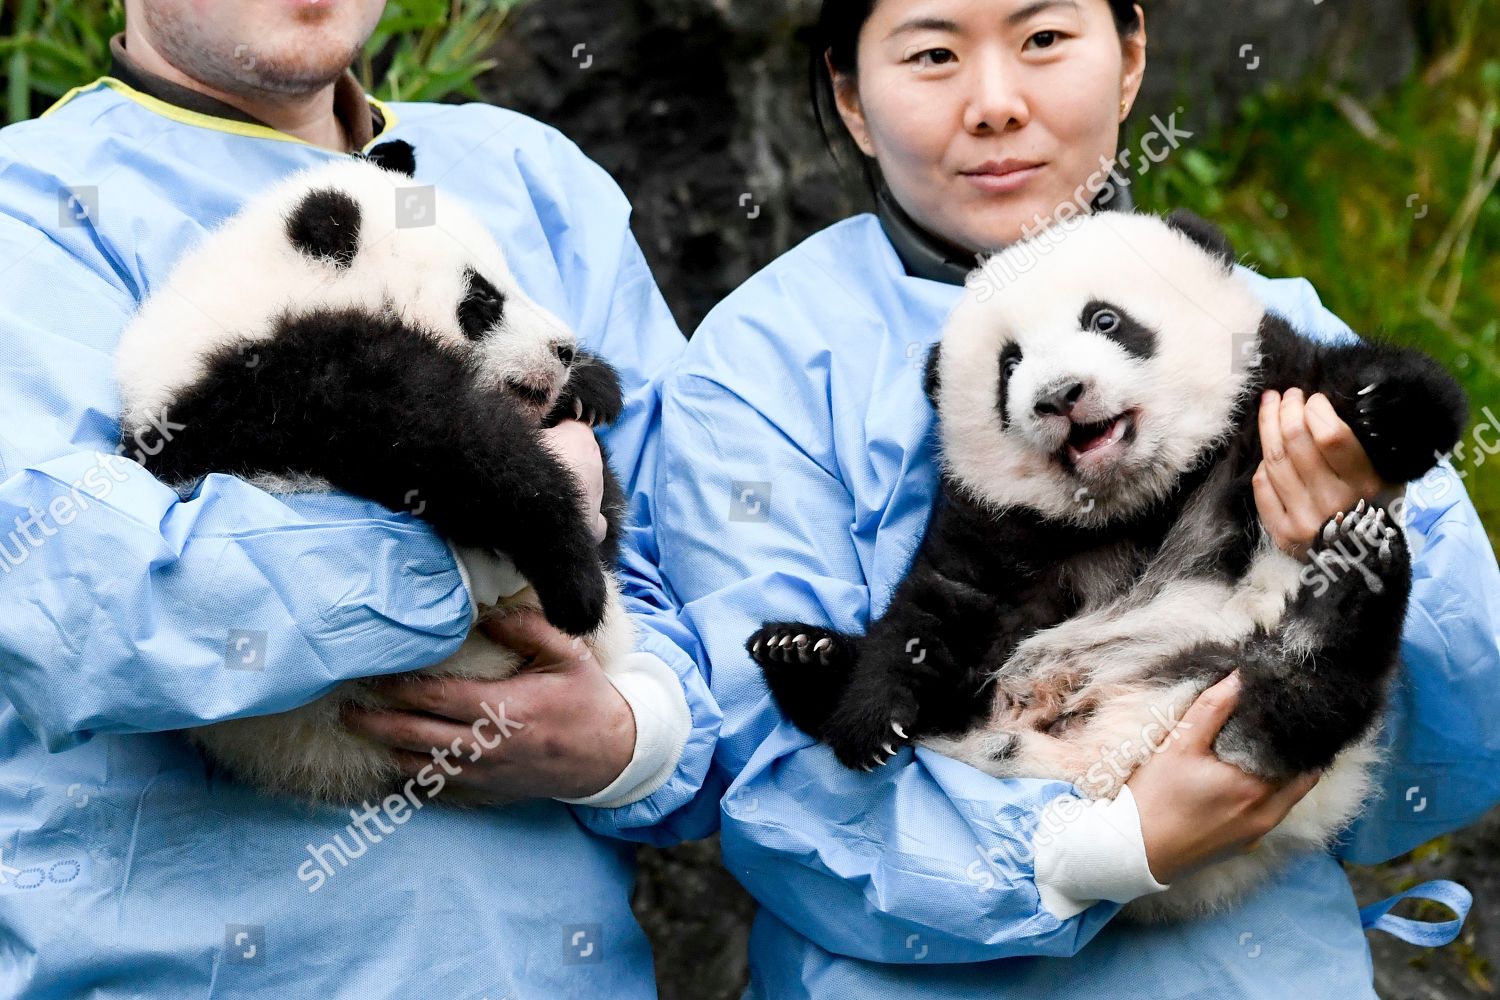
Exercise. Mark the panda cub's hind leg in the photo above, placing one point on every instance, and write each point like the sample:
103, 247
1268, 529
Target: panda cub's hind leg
1316, 683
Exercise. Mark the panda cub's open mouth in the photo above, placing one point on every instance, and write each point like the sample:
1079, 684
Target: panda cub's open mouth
1091, 443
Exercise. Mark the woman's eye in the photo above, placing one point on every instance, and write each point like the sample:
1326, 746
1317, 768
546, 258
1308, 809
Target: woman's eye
1106, 320
933, 57
1044, 39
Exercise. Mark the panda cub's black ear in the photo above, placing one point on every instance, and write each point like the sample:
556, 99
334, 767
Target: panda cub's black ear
930, 375
1204, 233
396, 155
325, 226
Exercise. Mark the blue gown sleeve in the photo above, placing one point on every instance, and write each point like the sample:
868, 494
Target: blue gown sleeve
131, 609
620, 314
925, 859
1442, 736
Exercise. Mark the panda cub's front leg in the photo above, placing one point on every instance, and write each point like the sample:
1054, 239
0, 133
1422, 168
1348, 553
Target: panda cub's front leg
1316, 683
806, 668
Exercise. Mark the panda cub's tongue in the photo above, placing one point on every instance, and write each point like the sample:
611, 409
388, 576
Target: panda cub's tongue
1084, 439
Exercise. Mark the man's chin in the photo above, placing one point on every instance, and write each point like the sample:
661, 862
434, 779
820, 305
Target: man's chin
296, 72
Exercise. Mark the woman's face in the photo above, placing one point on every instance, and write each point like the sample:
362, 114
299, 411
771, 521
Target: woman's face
987, 115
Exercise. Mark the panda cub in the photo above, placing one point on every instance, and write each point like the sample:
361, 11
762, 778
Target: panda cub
1096, 559
319, 340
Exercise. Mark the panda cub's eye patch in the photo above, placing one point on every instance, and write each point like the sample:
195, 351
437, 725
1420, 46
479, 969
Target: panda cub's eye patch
1118, 325
482, 308
1010, 359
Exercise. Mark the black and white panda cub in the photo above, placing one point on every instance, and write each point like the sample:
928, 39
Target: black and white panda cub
1096, 559
321, 338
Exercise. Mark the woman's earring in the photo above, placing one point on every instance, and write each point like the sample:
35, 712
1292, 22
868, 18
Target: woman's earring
1122, 108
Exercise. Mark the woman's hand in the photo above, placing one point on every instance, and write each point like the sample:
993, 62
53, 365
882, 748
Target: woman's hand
1313, 468
565, 731
1196, 809
573, 441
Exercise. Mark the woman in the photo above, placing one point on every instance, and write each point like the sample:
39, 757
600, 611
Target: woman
796, 474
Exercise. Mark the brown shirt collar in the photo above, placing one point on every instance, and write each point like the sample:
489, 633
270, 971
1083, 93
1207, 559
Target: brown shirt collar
361, 119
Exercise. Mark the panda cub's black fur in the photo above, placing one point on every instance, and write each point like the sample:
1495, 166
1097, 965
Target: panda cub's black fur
1096, 558
325, 338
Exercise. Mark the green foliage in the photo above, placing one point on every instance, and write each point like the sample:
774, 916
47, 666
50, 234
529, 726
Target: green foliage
432, 49
1390, 210
54, 47
422, 50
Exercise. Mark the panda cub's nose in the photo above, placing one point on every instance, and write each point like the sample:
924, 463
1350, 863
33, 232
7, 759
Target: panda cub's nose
564, 354
1060, 401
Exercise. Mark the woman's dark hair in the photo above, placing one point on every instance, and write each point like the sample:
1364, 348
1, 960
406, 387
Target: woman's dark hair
837, 34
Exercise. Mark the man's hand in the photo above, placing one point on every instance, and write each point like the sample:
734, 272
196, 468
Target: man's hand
1313, 467
567, 734
573, 441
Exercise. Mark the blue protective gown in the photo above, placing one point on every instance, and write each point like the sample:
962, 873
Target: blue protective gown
132, 870
797, 474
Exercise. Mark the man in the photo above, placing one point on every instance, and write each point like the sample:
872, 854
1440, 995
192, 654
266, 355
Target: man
130, 868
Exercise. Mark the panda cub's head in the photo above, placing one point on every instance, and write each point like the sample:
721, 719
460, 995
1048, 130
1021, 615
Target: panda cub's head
1085, 370
351, 234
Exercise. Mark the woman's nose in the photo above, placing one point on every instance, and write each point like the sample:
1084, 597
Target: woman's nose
996, 101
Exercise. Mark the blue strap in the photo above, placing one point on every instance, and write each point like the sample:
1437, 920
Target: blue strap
1424, 934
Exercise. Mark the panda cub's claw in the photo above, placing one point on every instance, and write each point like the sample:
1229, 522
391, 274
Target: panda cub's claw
1360, 543
793, 642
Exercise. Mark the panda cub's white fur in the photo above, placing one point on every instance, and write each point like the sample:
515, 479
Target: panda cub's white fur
234, 300
232, 290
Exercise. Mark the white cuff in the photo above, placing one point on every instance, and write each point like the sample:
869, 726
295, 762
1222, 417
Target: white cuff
663, 723
1088, 850
488, 576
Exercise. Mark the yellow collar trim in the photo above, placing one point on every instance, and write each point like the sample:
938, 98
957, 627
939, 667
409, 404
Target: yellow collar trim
201, 120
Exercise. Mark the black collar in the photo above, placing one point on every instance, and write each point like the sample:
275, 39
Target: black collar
925, 256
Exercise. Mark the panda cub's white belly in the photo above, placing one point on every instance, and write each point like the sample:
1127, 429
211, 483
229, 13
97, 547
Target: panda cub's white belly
1101, 661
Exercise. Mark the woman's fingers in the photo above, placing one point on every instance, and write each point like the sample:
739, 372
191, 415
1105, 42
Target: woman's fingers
1208, 713
1268, 502
1343, 450
1288, 795
1302, 448
1335, 440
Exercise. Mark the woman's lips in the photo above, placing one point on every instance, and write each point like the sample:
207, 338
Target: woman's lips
1000, 178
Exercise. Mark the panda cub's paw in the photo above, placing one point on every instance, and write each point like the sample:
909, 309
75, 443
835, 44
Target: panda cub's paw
789, 642
871, 726
1359, 547
807, 670
1407, 411
592, 393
